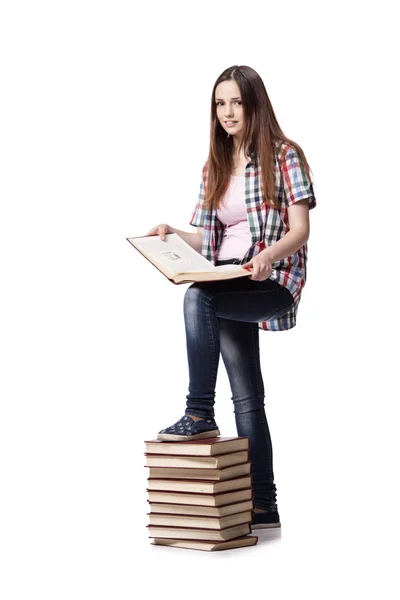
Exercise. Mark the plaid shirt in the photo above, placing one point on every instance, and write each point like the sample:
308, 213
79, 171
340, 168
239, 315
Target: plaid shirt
267, 225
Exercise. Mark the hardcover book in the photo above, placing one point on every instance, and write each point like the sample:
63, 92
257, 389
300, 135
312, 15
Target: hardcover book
203, 462
201, 522
199, 486
180, 263
206, 447
193, 499
197, 473
206, 511
192, 533
208, 546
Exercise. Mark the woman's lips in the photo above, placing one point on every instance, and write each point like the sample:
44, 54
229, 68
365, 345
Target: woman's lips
230, 123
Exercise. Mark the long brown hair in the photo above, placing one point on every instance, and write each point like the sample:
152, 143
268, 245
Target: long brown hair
261, 137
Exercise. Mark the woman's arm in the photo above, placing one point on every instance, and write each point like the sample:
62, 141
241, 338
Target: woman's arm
290, 243
293, 240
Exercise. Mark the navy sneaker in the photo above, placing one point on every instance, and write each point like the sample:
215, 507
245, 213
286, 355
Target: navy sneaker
265, 520
187, 429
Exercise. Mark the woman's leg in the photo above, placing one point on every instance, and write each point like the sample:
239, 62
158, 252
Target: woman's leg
239, 343
223, 317
241, 300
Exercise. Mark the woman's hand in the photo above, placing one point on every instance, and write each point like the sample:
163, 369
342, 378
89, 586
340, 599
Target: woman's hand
160, 230
261, 265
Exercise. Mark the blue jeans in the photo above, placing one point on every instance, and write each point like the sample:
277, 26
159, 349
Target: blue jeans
222, 317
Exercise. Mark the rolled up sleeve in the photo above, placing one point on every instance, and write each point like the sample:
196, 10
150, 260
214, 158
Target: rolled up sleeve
296, 183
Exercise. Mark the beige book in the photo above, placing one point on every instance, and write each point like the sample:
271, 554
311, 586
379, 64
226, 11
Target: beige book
211, 500
199, 521
190, 462
206, 511
205, 447
199, 486
208, 474
180, 263
240, 542
192, 533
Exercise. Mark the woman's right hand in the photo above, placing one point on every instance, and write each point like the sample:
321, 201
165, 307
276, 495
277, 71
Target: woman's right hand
160, 230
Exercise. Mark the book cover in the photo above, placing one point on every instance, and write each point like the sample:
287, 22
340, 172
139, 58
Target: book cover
192, 533
206, 545
204, 462
191, 498
201, 510
199, 486
206, 447
198, 473
199, 521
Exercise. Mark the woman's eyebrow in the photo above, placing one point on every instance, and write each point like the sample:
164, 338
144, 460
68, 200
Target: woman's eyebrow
221, 99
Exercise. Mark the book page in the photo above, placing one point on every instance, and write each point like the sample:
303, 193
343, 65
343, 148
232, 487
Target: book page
227, 267
176, 256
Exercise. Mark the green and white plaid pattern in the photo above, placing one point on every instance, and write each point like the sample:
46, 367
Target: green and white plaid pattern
267, 225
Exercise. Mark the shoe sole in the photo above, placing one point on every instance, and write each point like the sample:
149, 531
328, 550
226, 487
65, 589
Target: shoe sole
187, 438
265, 526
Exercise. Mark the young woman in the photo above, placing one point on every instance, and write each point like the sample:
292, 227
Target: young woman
253, 209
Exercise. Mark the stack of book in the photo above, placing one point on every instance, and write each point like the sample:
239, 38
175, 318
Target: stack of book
199, 493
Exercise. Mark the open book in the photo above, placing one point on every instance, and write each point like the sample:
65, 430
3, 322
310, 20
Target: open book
178, 261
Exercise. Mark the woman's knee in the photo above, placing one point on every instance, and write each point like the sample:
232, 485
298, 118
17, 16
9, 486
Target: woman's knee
195, 296
251, 403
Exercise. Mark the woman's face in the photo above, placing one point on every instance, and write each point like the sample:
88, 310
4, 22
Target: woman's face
229, 108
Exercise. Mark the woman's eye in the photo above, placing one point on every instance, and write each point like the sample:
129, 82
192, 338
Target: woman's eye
236, 102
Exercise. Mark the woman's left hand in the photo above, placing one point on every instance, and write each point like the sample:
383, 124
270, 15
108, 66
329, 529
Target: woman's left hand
261, 265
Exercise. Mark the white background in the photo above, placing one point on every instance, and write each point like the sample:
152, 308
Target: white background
104, 131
